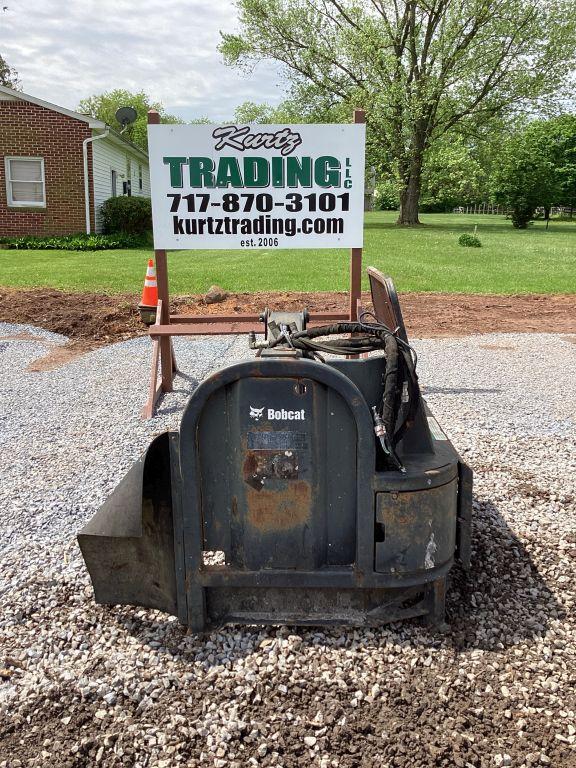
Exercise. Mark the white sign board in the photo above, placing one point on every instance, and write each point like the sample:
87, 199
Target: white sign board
257, 186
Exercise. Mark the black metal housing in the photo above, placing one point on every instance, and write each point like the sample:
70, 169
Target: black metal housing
274, 504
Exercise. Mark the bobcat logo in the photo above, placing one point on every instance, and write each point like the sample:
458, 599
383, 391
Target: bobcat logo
256, 413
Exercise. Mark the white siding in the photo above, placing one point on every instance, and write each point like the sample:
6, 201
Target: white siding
109, 156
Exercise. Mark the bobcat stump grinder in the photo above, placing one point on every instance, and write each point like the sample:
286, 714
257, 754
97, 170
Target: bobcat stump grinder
309, 485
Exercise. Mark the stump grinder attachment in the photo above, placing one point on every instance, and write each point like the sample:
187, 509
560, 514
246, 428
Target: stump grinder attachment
309, 485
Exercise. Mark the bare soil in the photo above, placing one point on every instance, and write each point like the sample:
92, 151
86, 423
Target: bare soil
91, 320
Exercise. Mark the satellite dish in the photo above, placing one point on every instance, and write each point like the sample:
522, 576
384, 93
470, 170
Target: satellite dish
126, 116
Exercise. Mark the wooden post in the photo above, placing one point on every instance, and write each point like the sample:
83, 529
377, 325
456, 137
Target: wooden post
166, 364
356, 254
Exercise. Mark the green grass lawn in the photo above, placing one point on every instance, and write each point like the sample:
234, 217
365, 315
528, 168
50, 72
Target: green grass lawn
421, 259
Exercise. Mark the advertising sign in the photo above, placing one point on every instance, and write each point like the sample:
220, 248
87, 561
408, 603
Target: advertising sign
257, 186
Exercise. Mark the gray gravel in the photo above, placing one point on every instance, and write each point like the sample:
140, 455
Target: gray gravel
84, 685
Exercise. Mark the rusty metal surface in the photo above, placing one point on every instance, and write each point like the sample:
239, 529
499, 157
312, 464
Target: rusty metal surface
418, 529
262, 465
279, 510
280, 522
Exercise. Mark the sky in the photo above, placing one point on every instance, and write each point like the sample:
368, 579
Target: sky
66, 50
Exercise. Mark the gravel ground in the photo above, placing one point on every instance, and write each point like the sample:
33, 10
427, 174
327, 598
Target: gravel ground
82, 685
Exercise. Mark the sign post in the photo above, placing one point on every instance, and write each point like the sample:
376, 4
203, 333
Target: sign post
247, 187
356, 253
167, 363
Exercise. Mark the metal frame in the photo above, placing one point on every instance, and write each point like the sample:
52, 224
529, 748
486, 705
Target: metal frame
198, 578
168, 325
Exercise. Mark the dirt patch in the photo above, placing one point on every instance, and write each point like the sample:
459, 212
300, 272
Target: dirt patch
57, 356
24, 336
92, 320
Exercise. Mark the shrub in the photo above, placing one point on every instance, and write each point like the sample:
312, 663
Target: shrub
127, 214
386, 196
521, 216
79, 242
469, 241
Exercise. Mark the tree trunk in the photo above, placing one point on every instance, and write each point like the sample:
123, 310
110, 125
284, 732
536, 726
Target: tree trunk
409, 203
412, 182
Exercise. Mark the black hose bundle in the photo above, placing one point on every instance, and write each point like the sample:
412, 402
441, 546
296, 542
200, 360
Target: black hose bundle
401, 393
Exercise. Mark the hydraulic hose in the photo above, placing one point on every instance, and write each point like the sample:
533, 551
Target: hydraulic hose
400, 394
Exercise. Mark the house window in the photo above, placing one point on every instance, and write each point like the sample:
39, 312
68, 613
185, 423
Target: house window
25, 184
140, 184
113, 179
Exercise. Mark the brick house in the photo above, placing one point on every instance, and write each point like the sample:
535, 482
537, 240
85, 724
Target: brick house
57, 167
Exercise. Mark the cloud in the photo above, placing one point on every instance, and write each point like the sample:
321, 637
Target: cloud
65, 50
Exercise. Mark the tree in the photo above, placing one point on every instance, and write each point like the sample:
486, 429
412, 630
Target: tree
451, 176
524, 179
8, 75
305, 104
103, 107
420, 68
563, 135
250, 112
537, 167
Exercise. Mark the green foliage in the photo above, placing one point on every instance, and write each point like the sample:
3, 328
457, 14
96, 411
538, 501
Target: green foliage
79, 242
132, 215
469, 241
304, 104
103, 107
452, 176
537, 167
522, 214
8, 75
418, 69
250, 112
562, 138
386, 195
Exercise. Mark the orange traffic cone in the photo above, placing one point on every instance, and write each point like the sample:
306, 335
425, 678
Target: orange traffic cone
149, 301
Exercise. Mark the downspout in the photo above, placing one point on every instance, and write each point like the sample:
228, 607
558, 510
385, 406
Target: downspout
86, 176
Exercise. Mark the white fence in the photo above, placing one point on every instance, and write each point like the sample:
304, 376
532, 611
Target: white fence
502, 210
482, 208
